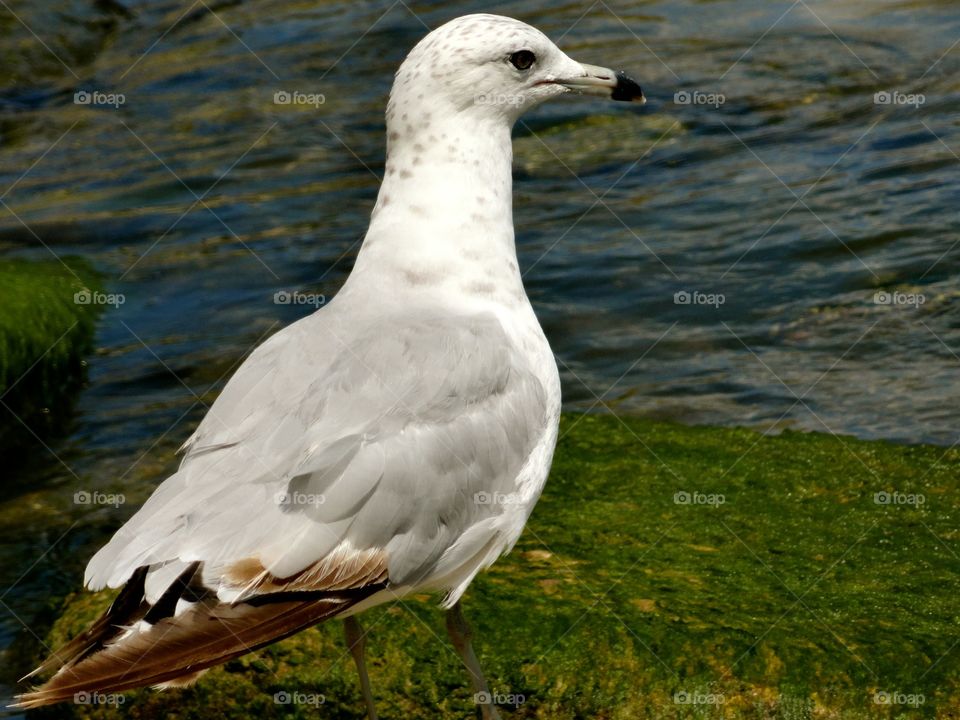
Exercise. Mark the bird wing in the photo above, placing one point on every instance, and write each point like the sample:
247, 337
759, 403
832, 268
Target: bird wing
347, 455
126, 648
346, 450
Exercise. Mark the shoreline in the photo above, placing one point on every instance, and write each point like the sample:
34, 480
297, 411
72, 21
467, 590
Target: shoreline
668, 567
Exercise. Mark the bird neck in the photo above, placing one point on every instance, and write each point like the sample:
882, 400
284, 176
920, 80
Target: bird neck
443, 219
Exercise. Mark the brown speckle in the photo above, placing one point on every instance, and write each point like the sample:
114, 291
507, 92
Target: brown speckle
481, 288
420, 277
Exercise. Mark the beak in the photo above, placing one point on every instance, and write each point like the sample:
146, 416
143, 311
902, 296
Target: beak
605, 83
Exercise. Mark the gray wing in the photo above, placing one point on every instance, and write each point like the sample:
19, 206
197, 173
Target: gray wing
342, 450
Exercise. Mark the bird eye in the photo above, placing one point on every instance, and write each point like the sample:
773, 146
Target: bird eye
523, 59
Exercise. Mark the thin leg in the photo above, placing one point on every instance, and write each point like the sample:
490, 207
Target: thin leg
356, 641
460, 634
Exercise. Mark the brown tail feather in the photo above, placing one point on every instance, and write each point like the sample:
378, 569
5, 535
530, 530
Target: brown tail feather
127, 608
207, 634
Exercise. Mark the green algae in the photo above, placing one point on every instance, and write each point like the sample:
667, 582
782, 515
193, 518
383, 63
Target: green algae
49, 311
668, 572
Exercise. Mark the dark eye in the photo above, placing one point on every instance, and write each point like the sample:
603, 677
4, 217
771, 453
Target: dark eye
523, 59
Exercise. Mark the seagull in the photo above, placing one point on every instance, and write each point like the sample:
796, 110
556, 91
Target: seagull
393, 442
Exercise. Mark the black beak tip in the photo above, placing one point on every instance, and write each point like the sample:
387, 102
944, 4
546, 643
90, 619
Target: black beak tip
627, 90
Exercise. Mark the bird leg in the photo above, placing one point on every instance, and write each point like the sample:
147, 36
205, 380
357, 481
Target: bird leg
356, 642
460, 634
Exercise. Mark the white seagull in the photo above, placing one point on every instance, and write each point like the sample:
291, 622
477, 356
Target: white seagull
393, 442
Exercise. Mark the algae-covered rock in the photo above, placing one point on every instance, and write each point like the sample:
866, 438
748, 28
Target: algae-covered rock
48, 311
668, 572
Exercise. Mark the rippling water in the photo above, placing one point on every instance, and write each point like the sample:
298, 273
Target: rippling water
780, 201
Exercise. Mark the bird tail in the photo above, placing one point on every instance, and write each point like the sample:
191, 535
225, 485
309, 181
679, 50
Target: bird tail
133, 644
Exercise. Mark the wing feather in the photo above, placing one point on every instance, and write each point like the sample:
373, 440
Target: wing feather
379, 440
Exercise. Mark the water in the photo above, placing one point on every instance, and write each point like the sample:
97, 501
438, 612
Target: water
796, 199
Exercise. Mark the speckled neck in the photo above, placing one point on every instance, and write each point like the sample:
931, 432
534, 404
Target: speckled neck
444, 216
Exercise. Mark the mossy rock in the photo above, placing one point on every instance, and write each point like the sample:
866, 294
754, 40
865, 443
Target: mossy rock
668, 572
48, 312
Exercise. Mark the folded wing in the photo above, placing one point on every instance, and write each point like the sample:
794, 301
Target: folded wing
347, 455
